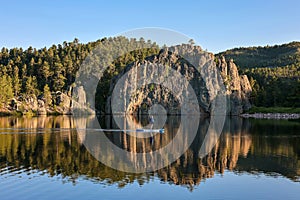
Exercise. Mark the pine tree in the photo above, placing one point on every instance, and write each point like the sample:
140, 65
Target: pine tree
31, 86
58, 78
16, 81
6, 90
47, 95
45, 71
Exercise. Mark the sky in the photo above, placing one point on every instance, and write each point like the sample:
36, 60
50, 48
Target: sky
214, 25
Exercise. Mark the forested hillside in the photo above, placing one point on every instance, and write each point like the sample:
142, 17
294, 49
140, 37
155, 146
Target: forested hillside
274, 73
27, 73
275, 87
268, 56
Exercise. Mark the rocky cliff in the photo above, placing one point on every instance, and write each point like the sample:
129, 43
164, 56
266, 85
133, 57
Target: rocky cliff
238, 86
186, 71
199, 68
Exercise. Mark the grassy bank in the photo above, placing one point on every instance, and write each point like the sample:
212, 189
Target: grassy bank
255, 109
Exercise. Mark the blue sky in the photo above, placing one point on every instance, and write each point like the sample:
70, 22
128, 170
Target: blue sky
215, 25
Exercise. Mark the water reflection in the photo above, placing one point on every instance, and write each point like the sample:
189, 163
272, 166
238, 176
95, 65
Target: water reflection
52, 145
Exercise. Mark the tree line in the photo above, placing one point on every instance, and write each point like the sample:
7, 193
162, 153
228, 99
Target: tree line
275, 87
273, 71
42, 71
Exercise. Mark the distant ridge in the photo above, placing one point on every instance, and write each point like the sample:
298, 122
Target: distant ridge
267, 56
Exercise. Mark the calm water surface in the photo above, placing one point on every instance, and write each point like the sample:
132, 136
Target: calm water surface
45, 158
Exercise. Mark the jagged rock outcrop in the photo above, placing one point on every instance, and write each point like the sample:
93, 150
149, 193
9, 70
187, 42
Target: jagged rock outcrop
80, 95
63, 103
246, 92
234, 89
238, 87
60, 104
41, 110
196, 66
222, 66
177, 73
33, 105
79, 102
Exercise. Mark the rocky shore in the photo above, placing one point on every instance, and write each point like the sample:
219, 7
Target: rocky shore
60, 104
271, 115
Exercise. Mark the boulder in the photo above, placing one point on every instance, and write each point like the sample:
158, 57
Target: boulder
78, 102
63, 104
41, 108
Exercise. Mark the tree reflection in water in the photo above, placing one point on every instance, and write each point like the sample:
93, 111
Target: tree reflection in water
51, 144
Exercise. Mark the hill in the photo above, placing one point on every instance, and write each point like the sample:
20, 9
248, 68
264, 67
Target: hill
268, 56
274, 73
27, 75
47, 74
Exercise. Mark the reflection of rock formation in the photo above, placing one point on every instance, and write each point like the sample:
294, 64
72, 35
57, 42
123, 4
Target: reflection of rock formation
61, 152
190, 170
131, 122
140, 147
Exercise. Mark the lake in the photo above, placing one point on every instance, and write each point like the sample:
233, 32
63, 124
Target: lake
47, 158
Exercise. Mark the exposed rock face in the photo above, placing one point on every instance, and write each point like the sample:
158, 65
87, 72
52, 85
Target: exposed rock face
79, 103
80, 95
222, 66
235, 83
238, 86
239, 90
31, 102
175, 71
41, 108
234, 89
201, 72
63, 103
24, 104
246, 92
33, 105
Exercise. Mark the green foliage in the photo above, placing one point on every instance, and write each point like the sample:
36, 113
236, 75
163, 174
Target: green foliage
255, 109
47, 95
274, 87
273, 71
31, 86
6, 91
268, 56
16, 81
152, 87
29, 71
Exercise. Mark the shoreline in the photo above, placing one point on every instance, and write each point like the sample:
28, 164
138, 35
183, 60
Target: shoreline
271, 115
257, 115
30, 113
